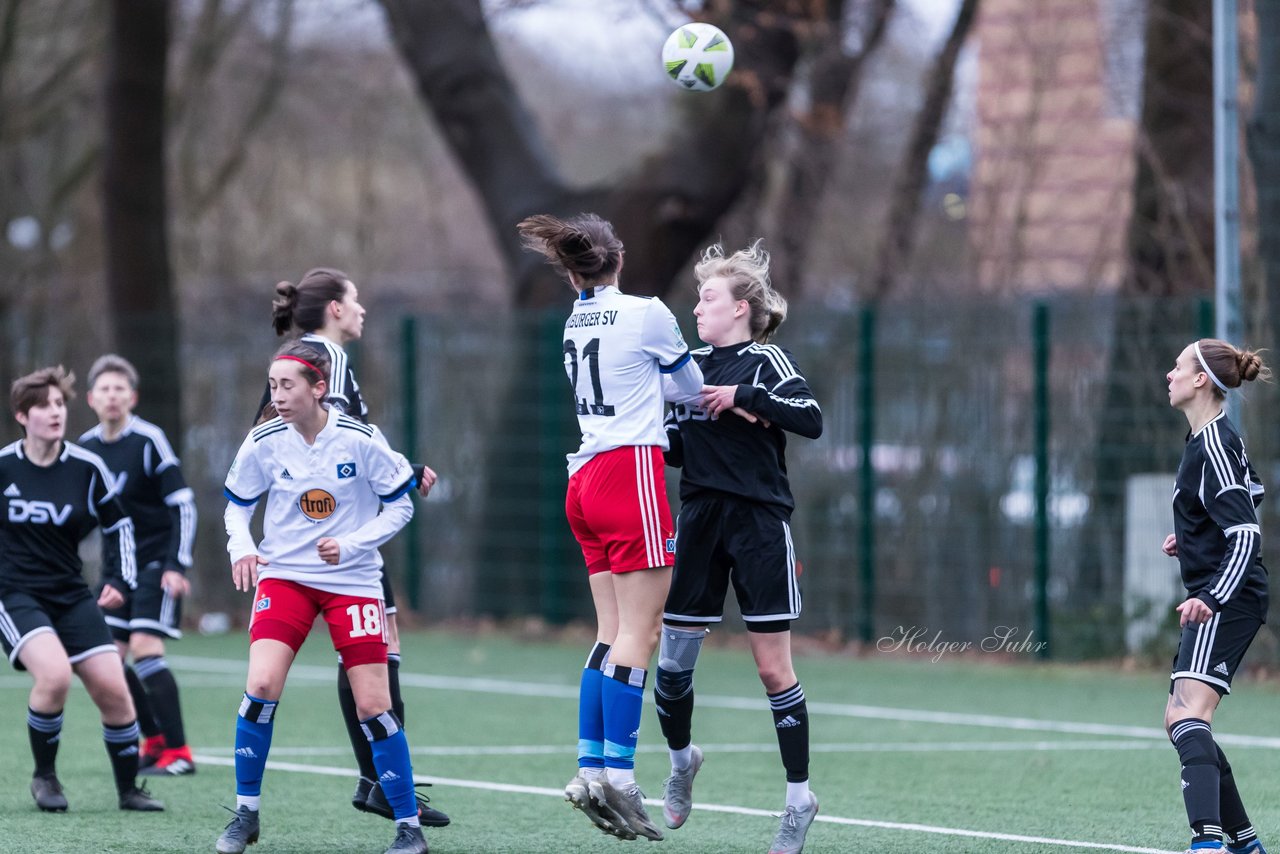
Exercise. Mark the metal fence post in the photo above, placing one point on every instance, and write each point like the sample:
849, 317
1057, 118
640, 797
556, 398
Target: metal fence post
409, 438
866, 472
1040, 346
551, 520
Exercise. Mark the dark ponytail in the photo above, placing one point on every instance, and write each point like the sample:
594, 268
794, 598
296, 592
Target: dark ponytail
303, 305
584, 245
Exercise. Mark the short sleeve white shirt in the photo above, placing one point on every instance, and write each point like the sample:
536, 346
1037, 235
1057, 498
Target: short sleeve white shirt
616, 348
327, 489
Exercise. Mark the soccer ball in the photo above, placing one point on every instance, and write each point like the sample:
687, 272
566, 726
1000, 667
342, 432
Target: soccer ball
698, 57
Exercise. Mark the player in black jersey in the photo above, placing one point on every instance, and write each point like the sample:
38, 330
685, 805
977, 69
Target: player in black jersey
325, 308
734, 519
163, 509
54, 494
1217, 542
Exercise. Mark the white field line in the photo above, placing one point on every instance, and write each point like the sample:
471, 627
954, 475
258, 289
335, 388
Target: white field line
485, 785
888, 747
755, 704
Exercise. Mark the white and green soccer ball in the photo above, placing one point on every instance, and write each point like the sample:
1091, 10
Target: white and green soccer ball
698, 57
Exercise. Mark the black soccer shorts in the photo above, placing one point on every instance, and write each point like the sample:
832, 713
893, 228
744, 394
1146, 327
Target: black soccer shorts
76, 620
149, 609
724, 539
1210, 652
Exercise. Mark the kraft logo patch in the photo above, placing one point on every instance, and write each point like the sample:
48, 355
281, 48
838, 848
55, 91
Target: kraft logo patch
317, 504
263, 604
346, 470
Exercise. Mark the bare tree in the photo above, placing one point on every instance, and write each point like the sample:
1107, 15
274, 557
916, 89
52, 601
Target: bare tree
139, 280
1170, 254
668, 204
1264, 151
838, 49
896, 247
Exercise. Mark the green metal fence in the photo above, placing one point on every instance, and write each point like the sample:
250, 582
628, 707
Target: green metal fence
963, 482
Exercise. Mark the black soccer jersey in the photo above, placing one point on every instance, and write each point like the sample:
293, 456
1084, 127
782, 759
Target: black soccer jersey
344, 391
151, 487
1215, 519
731, 455
48, 510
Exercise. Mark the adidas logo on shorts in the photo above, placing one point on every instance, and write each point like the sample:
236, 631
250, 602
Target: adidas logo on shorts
1222, 668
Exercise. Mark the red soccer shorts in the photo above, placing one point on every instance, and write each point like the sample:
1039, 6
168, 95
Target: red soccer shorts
284, 611
617, 508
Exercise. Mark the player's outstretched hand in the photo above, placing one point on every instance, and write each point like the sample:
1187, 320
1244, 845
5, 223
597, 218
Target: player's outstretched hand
175, 583
428, 481
1194, 611
1170, 546
330, 551
110, 597
244, 572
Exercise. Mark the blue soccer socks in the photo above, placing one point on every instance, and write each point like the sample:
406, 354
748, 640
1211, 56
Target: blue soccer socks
253, 742
391, 758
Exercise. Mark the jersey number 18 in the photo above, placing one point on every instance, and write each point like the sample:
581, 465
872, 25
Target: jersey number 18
590, 355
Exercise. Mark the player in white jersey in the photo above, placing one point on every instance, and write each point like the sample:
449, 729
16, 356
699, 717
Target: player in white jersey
617, 349
335, 492
324, 306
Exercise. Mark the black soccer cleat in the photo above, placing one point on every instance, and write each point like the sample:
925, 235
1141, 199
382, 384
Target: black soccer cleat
360, 797
428, 816
240, 832
409, 840
139, 799
48, 793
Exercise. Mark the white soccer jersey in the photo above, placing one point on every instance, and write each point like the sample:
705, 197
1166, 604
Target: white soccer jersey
332, 488
616, 348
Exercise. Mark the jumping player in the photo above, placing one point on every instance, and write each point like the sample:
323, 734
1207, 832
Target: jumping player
734, 523
617, 348
335, 492
163, 510
54, 494
1218, 545
324, 306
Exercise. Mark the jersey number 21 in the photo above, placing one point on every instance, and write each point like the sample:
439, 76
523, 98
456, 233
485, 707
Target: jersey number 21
590, 355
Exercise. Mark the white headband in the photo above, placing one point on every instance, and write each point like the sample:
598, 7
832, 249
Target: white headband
1208, 372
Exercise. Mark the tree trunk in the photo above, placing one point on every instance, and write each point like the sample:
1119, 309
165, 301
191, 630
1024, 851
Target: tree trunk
139, 282
894, 256
1170, 260
665, 208
811, 139
1264, 152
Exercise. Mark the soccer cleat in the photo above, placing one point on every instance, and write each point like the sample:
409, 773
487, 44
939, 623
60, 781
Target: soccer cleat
138, 799
795, 824
578, 794
428, 816
48, 793
360, 797
152, 748
240, 832
628, 805
173, 762
1253, 847
409, 840
677, 791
